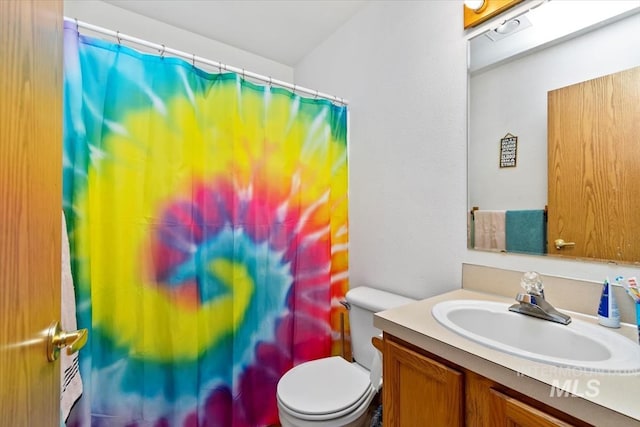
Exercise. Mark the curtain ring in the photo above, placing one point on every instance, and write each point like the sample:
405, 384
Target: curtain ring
270, 81
294, 89
316, 94
77, 27
193, 60
162, 53
243, 75
118, 37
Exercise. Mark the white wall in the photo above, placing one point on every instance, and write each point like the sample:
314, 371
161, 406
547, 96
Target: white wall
117, 19
401, 64
513, 98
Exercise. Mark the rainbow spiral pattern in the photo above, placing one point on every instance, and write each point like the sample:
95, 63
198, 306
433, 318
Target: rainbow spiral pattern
207, 217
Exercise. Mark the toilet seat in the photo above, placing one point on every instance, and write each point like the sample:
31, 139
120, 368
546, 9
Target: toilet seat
339, 389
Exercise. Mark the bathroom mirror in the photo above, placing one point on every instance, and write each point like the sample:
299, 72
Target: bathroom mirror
512, 68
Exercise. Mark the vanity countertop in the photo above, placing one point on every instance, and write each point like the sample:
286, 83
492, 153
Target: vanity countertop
600, 398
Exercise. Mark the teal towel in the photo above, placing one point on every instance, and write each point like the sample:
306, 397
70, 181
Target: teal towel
526, 231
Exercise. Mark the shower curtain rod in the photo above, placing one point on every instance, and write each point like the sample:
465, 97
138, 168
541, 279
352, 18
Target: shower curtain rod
194, 58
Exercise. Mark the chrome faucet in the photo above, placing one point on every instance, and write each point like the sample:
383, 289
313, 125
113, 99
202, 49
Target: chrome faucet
533, 303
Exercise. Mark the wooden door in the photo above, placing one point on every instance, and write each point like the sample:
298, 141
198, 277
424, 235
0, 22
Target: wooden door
419, 391
509, 412
30, 208
594, 153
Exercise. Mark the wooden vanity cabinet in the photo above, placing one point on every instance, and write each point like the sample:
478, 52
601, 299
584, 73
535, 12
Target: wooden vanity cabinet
509, 411
421, 389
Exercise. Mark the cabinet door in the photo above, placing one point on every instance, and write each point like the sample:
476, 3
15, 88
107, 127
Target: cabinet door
509, 412
419, 391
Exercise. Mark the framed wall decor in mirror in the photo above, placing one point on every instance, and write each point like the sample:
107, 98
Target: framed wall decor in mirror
515, 69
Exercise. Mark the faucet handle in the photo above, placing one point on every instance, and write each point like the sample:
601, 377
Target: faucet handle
531, 282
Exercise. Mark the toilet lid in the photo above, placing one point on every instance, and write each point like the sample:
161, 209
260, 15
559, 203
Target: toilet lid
323, 386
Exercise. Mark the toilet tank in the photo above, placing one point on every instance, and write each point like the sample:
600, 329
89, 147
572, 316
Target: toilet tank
364, 303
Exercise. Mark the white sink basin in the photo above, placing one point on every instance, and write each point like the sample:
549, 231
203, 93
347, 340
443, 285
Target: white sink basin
577, 345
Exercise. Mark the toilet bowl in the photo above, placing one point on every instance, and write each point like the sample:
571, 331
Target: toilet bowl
325, 392
332, 392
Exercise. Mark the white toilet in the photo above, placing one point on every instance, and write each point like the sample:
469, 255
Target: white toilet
332, 392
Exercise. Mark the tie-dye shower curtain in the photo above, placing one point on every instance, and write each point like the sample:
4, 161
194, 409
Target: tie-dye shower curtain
208, 225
